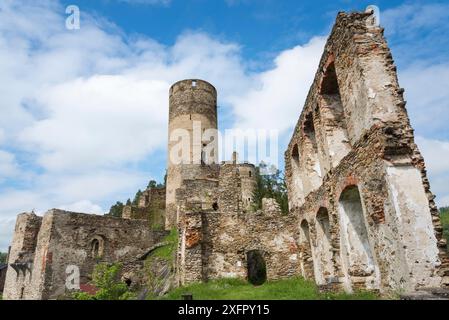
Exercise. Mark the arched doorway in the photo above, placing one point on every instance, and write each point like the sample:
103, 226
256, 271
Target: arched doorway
257, 268
325, 264
306, 252
356, 254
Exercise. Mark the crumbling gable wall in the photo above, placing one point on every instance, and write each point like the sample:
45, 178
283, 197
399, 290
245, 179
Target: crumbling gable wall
73, 239
355, 176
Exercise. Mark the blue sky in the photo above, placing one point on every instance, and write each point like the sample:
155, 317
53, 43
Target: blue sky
84, 112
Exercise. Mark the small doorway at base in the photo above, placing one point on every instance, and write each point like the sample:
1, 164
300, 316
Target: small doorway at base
257, 268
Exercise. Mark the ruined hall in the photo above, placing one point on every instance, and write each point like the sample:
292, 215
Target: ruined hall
361, 212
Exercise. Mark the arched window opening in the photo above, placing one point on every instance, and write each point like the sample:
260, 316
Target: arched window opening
311, 166
97, 247
309, 131
325, 266
257, 268
356, 250
306, 252
329, 85
332, 117
295, 154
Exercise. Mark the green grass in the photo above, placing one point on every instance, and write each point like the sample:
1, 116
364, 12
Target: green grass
166, 252
237, 289
444, 214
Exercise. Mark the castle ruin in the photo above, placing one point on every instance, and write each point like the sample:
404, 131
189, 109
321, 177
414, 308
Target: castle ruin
361, 213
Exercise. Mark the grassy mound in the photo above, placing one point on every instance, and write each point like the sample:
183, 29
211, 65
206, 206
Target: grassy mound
237, 289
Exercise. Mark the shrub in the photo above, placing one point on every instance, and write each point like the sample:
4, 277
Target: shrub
106, 278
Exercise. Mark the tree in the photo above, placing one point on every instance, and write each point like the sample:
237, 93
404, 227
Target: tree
128, 202
3, 257
137, 197
106, 279
152, 184
116, 210
270, 184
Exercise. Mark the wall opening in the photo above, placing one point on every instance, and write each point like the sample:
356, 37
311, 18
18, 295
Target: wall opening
97, 247
311, 168
356, 250
309, 131
296, 197
306, 252
332, 117
257, 268
324, 251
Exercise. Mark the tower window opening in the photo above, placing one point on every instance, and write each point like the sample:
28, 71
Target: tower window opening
194, 83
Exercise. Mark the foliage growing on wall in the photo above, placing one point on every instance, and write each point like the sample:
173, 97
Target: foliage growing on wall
270, 186
106, 279
160, 265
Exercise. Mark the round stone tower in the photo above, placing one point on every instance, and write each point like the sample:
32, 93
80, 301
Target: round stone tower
192, 115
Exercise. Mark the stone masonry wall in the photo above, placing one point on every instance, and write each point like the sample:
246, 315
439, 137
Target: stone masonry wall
150, 207
215, 239
82, 240
355, 177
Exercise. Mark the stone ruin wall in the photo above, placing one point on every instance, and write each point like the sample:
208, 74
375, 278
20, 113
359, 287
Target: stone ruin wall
354, 171
61, 239
22, 252
217, 232
150, 207
362, 215
361, 212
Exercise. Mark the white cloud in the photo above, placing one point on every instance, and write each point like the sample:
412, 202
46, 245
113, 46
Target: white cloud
84, 107
436, 155
84, 206
88, 107
428, 97
415, 16
278, 95
8, 165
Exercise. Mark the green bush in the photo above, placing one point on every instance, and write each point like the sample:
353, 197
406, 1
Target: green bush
106, 278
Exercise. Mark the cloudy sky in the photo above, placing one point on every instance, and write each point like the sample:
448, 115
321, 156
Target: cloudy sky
84, 112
